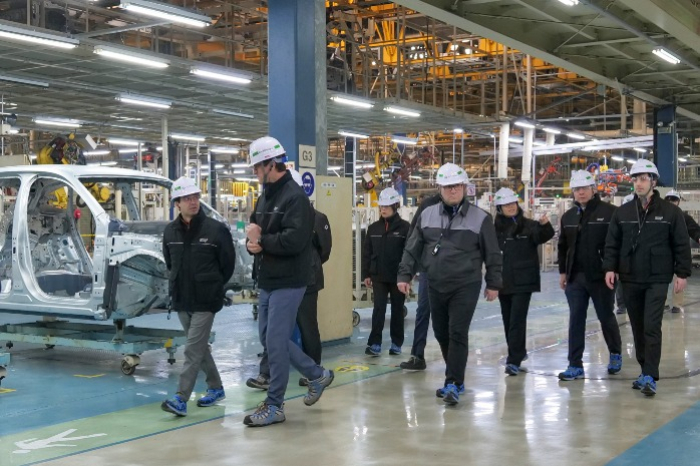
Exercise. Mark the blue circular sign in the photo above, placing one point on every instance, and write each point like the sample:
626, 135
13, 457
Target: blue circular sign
309, 184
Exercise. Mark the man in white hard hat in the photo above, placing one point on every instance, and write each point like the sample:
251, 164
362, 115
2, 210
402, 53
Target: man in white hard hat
381, 255
307, 317
200, 258
452, 240
581, 243
646, 244
518, 238
280, 237
674, 197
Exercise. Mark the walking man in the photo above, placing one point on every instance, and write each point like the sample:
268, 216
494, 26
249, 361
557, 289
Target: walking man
200, 258
581, 246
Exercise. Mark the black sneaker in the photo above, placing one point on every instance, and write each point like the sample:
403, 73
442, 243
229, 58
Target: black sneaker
414, 363
260, 382
303, 382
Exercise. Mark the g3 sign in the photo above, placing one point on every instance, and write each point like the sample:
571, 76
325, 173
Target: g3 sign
307, 156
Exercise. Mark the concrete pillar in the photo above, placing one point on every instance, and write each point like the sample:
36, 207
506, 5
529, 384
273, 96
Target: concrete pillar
503, 151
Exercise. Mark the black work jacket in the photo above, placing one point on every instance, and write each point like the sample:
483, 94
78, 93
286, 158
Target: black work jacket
585, 230
383, 248
286, 218
200, 258
322, 243
648, 245
518, 238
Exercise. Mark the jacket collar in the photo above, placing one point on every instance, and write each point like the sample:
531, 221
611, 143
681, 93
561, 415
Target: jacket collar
273, 188
592, 204
196, 220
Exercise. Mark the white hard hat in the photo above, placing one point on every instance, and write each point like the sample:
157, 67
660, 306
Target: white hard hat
581, 179
644, 166
673, 193
182, 187
505, 196
450, 174
265, 148
296, 176
628, 198
389, 197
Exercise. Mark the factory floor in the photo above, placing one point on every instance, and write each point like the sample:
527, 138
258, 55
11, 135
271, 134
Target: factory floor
74, 407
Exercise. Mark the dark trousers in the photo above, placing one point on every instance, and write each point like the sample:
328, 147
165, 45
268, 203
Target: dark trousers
382, 290
619, 297
452, 314
307, 320
578, 293
420, 334
514, 309
645, 308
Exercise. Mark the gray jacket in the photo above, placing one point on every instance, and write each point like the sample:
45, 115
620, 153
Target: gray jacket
453, 252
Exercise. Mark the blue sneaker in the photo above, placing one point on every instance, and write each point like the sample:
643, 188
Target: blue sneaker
317, 386
615, 364
638, 384
648, 385
440, 392
175, 405
451, 394
373, 350
571, 373
512, 369
213, 395
265, 415
394, 350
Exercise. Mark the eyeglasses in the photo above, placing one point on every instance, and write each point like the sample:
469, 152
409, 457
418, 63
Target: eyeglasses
640, 178
453, 187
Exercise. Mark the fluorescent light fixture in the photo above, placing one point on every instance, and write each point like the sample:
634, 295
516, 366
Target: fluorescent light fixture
516, 140
98, 152
239, 172
239, 165
458, 130
131, 151
167, 12
188, 137
640, 149
351, 134
580, 137
539, 143
617, 158
524, 124
402, 111
29, 35
552, 130
225, 150
57, 122
129, 57
335, 167
681, 159
403, 140
414, 177
232, 113
31, 82
232, 78
352, 102
123, 142
569, 2
219, 166
665, 55
108, 164
630, 161
145, 101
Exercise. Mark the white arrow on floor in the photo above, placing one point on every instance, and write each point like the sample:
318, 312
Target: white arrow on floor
32, 444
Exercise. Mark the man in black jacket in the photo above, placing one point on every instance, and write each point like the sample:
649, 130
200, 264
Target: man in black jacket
200, 258
452, 241
581, 246
307, 317
646, 245
280, 237
420, 334
674, 197
381, 255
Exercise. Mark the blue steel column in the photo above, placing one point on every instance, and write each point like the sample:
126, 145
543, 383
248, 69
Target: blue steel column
666, 145
292, 77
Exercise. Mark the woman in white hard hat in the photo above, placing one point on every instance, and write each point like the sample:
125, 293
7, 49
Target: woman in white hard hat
518, 238
646, 244
581, 243
381, 255
452, 241
674, 197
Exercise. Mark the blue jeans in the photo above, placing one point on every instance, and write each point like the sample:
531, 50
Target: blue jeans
420, 334
277, 315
